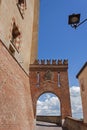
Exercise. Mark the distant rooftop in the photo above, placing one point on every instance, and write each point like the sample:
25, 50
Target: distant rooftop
81, 69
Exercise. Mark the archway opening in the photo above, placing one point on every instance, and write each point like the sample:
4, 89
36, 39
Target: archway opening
48, 104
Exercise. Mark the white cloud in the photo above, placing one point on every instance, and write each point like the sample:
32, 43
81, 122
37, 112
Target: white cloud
49, 104
76, 103
75, 91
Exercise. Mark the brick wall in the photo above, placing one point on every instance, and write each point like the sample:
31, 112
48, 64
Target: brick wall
16, 111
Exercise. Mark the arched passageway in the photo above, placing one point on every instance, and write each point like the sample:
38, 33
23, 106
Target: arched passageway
48, 104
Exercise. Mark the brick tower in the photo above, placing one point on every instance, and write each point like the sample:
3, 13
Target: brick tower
47, 76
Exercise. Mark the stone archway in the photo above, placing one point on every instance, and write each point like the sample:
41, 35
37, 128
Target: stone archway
48, 104
47, 76
38, 94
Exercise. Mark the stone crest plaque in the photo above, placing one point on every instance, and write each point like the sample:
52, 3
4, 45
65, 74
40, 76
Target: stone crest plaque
48, 75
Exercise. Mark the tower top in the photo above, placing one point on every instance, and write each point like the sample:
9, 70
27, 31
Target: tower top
54, 65
51, 62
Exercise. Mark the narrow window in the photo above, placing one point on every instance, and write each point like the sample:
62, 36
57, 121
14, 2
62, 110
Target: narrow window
20, 2
11, 49
38, 79
58, 79
21, 6
15, 38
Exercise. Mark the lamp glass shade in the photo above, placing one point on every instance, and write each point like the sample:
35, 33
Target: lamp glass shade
74, 19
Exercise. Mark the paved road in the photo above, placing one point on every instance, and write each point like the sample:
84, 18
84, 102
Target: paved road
46, 126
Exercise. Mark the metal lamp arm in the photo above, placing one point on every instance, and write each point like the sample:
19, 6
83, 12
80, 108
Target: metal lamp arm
76, 25
82, 22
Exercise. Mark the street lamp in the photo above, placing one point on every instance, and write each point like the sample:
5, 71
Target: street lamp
74, 20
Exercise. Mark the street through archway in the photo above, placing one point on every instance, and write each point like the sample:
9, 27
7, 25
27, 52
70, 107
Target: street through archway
47, 126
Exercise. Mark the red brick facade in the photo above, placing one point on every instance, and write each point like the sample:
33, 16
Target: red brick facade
16, 111
51, 77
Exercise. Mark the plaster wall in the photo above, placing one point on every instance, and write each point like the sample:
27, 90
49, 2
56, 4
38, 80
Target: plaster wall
83, 85
27, 26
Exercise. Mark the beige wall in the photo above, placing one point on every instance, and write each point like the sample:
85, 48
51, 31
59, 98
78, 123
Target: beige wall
83, 85
27, 26
34, 47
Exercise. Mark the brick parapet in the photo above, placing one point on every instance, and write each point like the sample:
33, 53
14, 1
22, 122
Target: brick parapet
51, 62
53, 65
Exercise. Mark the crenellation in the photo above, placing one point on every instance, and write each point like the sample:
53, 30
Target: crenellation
59, 62
54, 62
50, 62
65, 62
36, 62
42, 62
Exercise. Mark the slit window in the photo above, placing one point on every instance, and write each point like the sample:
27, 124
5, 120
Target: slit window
21, 7
38, 79
58, 79
11, 49
20, 2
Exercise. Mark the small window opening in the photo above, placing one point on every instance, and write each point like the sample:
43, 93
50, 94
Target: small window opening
15, 31
20, 2
15, 37
12, 51
38, 79
21, 6
58, 79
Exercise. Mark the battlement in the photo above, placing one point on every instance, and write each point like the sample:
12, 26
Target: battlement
51, 62
53, 65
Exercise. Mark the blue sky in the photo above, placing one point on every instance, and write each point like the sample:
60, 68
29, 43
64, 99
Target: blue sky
57, 40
